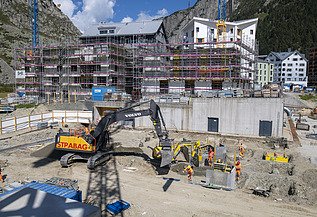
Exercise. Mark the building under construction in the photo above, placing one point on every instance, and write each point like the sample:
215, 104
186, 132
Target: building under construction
137, 59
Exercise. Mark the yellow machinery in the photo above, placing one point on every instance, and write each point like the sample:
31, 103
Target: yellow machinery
192, 151
95, 147
273, 156
78, 140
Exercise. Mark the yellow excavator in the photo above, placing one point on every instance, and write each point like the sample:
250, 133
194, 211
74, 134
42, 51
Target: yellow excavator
94, 147
193, 151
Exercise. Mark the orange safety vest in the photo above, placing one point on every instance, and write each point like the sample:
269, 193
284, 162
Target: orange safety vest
189, 170
238, 166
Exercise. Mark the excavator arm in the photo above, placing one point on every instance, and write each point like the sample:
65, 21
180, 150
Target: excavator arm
101, 132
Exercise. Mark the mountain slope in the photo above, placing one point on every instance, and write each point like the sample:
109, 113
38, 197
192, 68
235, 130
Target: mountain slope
283, 24
15, 30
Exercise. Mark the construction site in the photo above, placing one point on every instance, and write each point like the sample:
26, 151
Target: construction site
122, 122
138, 64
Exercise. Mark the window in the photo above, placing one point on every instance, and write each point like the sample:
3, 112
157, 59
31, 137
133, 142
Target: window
111, 31
301, 75
197, 29
231, 31
193, 33
73, 68
27, 68
300, 79
265, 66
289, 64
231, 39
284, 64
260, 65
212, 31
289, 75
302, 64
288, 79
264, 78
289, 70
200, 40
283, 69
251, 31
283, 74
103, 32
186, 34
294, 59
300, 58
301, 70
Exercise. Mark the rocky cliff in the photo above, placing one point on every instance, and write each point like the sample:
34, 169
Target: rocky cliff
15, 30
176, 21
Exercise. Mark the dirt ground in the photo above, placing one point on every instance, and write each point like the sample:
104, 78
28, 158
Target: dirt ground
140, 182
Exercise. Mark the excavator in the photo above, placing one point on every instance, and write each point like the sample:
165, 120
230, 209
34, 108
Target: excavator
94, 146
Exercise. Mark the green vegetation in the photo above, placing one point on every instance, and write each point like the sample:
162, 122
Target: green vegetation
6, 88
32, 105
3, 95
282, 24
308, 97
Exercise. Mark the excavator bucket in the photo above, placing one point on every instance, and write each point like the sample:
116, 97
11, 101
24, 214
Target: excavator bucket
166, 153
166, 157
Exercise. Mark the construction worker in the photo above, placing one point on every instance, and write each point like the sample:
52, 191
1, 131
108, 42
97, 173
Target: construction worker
1, 178
189, 170
241, 150
210, 156
238, 169
86, 130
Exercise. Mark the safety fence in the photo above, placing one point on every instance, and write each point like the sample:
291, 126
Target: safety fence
19, 123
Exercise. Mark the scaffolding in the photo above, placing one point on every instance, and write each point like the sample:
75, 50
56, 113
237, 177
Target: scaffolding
136, 65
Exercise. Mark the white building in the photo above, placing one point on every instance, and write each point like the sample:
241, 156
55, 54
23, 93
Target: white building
265, 72
289, 67
239, 35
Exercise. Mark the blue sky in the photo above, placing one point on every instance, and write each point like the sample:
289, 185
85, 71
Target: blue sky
86, 12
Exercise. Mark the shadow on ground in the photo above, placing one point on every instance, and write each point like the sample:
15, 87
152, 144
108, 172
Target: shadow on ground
47, 155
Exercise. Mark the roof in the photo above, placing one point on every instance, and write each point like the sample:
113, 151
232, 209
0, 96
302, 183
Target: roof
52, 189
283, 55
32, 202
131, 28
214, 22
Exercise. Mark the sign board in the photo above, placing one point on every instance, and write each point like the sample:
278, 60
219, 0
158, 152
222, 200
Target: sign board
20, 74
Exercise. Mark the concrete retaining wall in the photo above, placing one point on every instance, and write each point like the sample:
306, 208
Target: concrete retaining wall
238, 116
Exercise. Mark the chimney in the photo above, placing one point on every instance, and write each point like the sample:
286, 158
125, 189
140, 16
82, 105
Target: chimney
289, 49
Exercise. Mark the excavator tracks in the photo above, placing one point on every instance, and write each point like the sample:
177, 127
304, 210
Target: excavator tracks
98, 159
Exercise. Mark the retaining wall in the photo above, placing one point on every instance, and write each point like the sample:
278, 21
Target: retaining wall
236, 116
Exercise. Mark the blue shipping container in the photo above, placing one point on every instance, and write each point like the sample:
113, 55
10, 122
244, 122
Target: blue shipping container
98, 93
52, 189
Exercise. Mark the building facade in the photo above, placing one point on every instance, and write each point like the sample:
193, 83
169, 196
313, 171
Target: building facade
289, 68
226, 37
265, 72
137, 59
312, 67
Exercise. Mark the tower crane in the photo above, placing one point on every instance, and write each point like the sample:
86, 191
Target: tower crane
221, 24
33, 4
